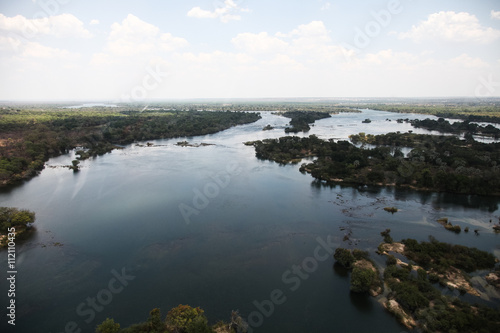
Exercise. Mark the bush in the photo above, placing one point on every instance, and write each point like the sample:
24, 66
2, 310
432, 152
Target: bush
391, 260
391, 209
13, 217
108, 326
387, 236
362, 279
409, 296
359, 254
185, 319
344, 257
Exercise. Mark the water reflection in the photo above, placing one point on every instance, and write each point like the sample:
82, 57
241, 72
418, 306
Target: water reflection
362, 301
340, 270
489, 204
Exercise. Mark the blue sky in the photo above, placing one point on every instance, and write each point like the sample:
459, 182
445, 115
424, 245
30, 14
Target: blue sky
171, 49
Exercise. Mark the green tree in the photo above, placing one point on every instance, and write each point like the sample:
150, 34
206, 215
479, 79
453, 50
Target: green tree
199, 325
108, 326
362, 279
184, 317
344, 257
14, 217
155, 323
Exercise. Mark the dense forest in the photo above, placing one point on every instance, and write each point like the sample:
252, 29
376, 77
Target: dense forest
439, 163
29, 137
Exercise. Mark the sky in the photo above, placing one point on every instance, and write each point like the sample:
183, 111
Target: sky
128, 50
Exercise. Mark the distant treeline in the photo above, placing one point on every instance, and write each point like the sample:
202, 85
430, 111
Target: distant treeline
458, 127
439, 163
483, 112
29, 138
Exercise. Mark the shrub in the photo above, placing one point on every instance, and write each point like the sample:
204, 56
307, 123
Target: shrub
183, 318
108, 326
387, 236
391, 260
391, 209
362, 279
344, 257
359, 254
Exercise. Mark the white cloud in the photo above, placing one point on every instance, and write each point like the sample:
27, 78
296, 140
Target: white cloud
466, 61
61, 26
258, 43
37, 50
226, 11
311, 35
133, 36
451, 26
311, 30
94, 22
284, 60
309, 42
495, 15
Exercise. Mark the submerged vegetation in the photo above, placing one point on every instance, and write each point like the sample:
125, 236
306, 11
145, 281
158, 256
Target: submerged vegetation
29, 137
439, 163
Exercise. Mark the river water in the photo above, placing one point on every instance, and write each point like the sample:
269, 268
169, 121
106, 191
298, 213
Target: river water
213, 226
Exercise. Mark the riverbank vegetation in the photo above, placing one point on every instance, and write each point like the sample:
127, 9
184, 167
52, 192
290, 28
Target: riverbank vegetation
29, 137
473, 111
16, 221
411, 293
181, 319
437, 163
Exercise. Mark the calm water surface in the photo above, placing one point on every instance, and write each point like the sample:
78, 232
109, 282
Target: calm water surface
217, 228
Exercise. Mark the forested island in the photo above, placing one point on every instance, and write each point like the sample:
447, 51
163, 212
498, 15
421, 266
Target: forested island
29, 137
437, 163
410, 283
300, 120
442, 125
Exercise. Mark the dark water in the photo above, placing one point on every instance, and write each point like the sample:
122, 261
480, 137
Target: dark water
214, 227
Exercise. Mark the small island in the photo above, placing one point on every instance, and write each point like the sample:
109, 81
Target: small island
196, 145
409, 278
268, 128
300, 120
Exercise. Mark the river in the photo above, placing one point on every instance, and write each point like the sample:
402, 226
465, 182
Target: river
212, 226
